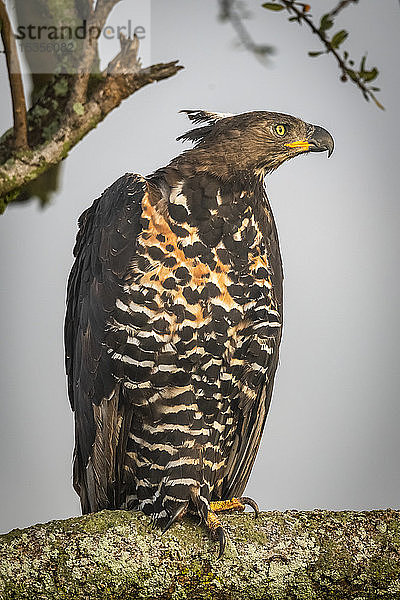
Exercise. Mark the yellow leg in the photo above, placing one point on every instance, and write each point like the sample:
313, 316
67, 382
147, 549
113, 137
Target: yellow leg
212, 521
214, 525
238, 504
222, 505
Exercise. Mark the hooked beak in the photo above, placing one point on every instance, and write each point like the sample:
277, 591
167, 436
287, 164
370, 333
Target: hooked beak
321, 140
318, 140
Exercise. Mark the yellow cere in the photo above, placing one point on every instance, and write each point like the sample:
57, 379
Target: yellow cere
299, 145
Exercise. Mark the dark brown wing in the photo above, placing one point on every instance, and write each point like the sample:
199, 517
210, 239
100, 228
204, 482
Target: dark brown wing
104, 249
252, 414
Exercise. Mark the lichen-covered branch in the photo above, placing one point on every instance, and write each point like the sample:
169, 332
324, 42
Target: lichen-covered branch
54, 132
279, 556
70, 104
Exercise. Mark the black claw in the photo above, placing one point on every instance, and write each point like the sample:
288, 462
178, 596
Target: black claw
221, 535
168, 525
252, 503
178, 513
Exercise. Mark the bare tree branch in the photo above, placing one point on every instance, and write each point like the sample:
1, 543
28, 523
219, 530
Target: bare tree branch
96, 22
14, 76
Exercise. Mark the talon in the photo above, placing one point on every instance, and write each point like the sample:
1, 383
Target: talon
177, 514
221, 535
250, 502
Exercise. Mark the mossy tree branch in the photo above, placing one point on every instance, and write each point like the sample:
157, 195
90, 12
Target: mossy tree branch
53, 130
69, 106
279, 556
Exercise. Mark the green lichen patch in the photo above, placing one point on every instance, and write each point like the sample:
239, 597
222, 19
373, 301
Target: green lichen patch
38, 112
78, 108
61, 87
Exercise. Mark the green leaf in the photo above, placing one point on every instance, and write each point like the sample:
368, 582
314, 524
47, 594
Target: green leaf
326, 23
339, 38
272, 6
362, 65
370, 75
79, 109
315, 53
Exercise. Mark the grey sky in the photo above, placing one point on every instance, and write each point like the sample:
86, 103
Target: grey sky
331, 439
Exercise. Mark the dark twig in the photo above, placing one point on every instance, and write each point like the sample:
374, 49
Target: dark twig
340, 6
229, 13
14, 76
298, 8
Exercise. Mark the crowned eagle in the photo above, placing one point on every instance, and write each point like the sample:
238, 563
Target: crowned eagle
174, 320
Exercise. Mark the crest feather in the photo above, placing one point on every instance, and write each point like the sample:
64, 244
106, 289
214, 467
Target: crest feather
205, 116
195, 135
201, 116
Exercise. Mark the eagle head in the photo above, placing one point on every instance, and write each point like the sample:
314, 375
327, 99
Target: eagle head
250, 144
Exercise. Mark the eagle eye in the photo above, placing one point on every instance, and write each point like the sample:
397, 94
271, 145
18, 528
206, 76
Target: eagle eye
280, 130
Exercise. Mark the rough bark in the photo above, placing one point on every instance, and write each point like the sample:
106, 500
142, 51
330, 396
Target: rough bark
293, 555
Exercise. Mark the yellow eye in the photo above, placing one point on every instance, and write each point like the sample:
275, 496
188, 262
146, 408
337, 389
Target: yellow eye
280, 129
